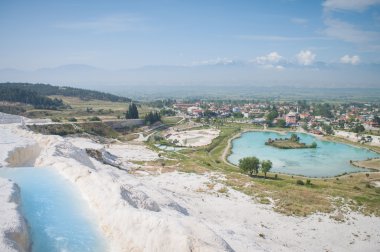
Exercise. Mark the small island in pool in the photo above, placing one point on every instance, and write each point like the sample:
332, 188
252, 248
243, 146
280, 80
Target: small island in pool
289, 143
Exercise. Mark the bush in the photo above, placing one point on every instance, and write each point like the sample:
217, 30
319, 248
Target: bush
72, 119
275, 176
94, 118
300, 182
308, 182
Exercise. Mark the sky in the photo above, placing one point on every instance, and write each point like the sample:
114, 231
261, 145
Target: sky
264, 42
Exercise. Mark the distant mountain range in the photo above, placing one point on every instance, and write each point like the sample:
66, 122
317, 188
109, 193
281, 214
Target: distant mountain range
319, 74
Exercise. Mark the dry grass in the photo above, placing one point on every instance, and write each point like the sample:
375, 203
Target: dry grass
373, 163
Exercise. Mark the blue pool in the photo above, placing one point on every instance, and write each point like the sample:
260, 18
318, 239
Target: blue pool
59, 218
327, 160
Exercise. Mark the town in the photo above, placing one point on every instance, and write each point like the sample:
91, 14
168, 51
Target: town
317, 118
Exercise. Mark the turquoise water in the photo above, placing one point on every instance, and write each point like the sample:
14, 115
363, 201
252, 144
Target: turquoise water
327, 160
58, 217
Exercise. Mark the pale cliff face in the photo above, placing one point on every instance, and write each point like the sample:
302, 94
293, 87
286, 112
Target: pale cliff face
13, 229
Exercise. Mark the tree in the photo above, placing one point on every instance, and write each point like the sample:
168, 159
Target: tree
237, 115
132, 112
152, 117
250, 165
281, 123
358, 128
328, 129
294, 138
305, 127
271, 115
323, 110
266, 165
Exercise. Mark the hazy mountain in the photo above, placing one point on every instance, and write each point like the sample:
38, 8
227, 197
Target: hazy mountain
319, 74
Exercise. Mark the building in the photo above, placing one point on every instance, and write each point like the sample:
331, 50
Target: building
194, 111
291, 118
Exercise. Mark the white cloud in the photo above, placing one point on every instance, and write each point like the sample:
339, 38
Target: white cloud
217, 61
278, 38
116, 23
271, 58
349, 5
350, 33
305, 58
347, 59
280, 67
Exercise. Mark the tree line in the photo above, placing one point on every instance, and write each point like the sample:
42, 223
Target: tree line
47, 89
38, 101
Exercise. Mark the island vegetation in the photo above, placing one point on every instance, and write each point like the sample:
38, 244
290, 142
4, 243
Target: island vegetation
289, 143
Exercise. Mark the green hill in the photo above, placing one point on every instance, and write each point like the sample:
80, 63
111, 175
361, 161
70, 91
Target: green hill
47, 89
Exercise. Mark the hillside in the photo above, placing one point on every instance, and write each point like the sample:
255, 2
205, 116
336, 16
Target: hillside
47, 90
11, 94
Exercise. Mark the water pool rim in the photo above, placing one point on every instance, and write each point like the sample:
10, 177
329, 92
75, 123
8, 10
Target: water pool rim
231, 142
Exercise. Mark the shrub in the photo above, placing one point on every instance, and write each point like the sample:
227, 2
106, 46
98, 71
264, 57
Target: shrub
223, 190
275, 176
308, 182
94, 118
72, 119
300, 182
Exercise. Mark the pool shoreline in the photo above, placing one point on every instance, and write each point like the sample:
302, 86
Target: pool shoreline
228, 151
40, 202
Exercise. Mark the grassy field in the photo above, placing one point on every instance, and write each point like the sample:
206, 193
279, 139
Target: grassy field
289, 197
171, 120
83, 110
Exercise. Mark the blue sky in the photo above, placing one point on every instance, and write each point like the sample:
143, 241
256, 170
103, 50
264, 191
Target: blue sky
271, 34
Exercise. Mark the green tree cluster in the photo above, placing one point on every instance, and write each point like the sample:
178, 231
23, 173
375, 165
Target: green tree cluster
294, 137
327, 128
152, 117
323, 109
47, 90
38, 101
271, 115
251, 165
281, 123
167, 112
358, 128
132, 112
